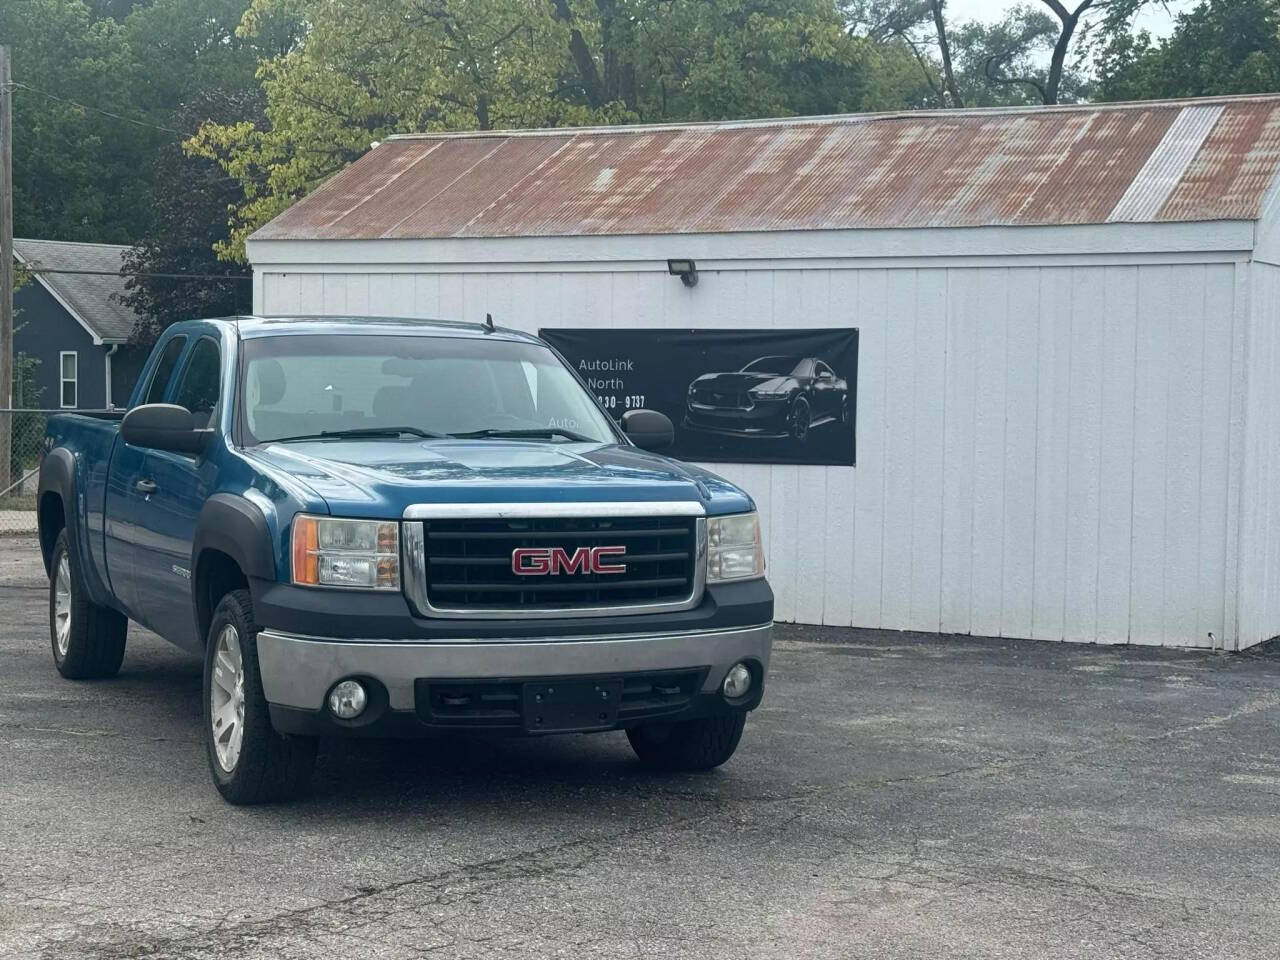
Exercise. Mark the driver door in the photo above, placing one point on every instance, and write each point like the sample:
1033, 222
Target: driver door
127, 508
178, 486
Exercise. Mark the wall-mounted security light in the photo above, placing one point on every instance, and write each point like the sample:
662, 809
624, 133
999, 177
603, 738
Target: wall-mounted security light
686, 270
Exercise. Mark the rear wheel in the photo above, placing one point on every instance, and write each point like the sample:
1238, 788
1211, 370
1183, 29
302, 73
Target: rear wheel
691, 745
87, 640
249, 761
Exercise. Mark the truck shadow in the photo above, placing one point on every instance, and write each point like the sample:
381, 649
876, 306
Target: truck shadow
435, 776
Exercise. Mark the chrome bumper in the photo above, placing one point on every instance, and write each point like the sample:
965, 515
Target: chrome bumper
298, 671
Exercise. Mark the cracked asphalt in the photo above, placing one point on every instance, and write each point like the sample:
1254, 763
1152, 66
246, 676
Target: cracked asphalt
896, 796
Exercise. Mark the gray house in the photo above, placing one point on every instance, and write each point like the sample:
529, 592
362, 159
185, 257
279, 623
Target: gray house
68, 317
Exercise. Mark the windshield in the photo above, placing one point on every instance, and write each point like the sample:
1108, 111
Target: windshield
297, 386
782, 366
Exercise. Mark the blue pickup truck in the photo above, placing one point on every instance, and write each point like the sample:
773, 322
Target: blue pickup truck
380, 527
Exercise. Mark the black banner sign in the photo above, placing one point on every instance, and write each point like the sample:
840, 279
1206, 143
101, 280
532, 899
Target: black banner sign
735, 396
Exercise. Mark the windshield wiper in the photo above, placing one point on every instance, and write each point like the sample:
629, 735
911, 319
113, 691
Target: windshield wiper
538, 433
363, 432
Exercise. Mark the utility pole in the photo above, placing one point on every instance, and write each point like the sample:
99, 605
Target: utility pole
5, 270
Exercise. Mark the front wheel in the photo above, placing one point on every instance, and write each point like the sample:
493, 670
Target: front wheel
88, 640
249, 761
691, 745
799, 420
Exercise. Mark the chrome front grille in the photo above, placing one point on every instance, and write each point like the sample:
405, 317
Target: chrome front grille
462, 565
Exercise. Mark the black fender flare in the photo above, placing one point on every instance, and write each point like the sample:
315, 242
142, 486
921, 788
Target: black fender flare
57, 476
235, 526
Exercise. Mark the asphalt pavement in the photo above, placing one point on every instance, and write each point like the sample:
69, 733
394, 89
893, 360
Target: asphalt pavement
896, 796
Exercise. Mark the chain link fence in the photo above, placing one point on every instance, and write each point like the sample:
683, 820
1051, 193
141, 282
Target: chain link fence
22, 432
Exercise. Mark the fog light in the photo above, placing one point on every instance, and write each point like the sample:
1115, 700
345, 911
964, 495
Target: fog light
347, 699
737, 681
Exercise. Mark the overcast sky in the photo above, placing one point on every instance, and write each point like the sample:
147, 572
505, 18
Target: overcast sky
1156, 18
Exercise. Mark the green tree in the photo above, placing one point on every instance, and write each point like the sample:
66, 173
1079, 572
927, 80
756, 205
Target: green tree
1010, 62
74, 169
199, 70
369, 68
1024, 58
1218, 47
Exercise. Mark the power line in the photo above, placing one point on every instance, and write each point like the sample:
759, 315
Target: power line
105, 113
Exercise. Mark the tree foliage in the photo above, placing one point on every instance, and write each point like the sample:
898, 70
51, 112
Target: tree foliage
369, 68
70, 162
1023, 58
1218, 47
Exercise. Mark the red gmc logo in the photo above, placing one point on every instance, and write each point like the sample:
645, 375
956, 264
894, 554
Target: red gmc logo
544, 561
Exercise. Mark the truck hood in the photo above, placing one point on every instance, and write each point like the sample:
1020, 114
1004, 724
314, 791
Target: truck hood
380, 477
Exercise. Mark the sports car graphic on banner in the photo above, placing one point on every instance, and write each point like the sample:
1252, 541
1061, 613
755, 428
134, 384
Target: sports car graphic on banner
744, 396
769, 397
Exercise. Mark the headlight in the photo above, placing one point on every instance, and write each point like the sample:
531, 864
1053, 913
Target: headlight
768, 394
733, 548
346, 553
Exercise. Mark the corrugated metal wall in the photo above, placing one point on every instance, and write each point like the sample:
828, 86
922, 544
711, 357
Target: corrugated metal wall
1042, 451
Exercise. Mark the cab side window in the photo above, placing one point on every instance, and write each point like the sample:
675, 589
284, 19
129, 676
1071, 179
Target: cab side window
198, 389
164, 370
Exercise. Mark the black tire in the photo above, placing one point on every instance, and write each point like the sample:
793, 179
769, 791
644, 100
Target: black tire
799, 419
270, 767
95, 636
692, 745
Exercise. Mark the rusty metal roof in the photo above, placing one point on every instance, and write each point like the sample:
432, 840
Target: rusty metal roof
1210, 159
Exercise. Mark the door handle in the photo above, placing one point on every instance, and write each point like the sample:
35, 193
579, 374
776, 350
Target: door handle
146, 487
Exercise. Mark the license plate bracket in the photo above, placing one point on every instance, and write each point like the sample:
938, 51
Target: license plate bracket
576, 705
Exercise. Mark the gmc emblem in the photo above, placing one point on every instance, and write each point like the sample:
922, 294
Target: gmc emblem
544, 561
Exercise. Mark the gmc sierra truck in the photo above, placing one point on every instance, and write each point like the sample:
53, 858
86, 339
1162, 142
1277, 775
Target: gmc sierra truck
380, 527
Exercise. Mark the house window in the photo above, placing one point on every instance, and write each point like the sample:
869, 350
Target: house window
69, 361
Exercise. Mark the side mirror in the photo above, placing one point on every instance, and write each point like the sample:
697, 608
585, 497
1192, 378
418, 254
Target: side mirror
164, 426
648, 429
826, 375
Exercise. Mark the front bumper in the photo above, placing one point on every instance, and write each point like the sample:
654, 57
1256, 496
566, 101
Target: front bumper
765, 418
298, 672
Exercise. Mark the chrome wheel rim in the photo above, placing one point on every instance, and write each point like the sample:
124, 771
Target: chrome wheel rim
62, 605
226, 698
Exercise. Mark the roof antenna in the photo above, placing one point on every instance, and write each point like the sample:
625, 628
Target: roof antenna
488, 323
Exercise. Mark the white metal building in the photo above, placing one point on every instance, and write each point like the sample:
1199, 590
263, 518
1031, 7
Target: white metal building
1067, 420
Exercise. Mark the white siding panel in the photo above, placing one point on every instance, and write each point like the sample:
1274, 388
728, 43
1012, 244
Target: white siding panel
281, 294
929, 374
1052, 428
1084, 419
334, 291
1042, 450
871, 433
899, 451
991, 365
1115, 475
1185, 386
1150, 454
1021, 405
451, 302
967, 313
1215, 449
311, 294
